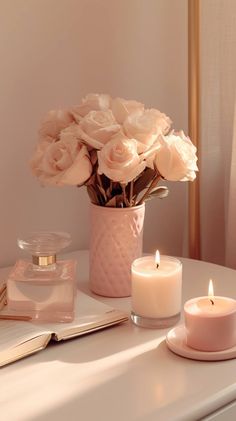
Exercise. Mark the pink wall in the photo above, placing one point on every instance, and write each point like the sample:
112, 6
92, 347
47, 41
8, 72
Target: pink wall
52, 53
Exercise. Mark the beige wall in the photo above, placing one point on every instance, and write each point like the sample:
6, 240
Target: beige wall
52, 53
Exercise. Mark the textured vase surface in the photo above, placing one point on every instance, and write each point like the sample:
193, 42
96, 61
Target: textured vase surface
116, 239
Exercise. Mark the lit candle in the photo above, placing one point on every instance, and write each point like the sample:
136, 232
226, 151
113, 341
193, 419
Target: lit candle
156, 290
210, 322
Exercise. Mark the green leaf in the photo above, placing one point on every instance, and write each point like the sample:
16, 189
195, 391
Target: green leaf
119, 201
93, 157
111, 203
91, 180
143, 181
161, 192
102, 191
92, 195
116, 201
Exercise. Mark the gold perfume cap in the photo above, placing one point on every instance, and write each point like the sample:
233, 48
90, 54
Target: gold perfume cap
43, 246
44, 260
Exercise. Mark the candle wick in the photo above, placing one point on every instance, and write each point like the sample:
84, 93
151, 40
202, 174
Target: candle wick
212, 302
157, 264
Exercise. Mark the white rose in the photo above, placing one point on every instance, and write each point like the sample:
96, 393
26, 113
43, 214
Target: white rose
119, 160
176, 158
146, 126
92, 102
98, 127
62, 163
53, 123
121, 108
70, 134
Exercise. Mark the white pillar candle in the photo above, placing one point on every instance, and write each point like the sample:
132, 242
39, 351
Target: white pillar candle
156, 289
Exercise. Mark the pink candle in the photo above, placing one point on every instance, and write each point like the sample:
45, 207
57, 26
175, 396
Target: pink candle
210, 322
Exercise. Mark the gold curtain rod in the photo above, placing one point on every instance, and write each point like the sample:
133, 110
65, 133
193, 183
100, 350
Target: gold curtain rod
194, 122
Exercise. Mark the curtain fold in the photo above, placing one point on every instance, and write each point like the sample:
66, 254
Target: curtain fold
218, 150
230, 248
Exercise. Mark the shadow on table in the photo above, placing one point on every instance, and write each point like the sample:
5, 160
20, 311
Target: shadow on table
101, 344
153, 385
123, 387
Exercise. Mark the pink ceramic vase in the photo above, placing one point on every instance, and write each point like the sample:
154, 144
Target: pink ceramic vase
116, 239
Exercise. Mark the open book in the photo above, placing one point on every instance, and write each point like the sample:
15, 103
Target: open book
19, 339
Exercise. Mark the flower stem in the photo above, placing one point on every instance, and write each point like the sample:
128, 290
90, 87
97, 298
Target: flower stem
126, 202
109, 190
131, 189
102, 188
150, 188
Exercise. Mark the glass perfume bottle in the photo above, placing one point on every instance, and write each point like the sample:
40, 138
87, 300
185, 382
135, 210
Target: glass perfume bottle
45, 288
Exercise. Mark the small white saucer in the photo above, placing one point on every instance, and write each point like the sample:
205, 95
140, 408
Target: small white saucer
176, 342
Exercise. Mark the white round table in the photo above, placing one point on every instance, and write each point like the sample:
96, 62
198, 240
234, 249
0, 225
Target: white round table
125, 372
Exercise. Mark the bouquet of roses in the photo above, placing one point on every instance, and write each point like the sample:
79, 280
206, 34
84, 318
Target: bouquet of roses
116, 148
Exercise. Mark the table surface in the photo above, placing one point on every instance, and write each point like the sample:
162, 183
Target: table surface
121, 373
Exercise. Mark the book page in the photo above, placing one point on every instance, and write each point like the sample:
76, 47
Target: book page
14, 333
16, 337
90, 314
25, 349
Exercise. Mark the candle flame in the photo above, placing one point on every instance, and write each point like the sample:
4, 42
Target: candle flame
157, 258
210, 289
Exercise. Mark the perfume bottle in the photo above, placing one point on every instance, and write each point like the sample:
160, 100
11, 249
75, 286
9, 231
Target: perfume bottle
43, 289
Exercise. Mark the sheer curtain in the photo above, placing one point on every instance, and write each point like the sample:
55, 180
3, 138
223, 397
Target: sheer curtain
218, 120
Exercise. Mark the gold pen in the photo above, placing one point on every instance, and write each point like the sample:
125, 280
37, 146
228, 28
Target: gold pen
15, 317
